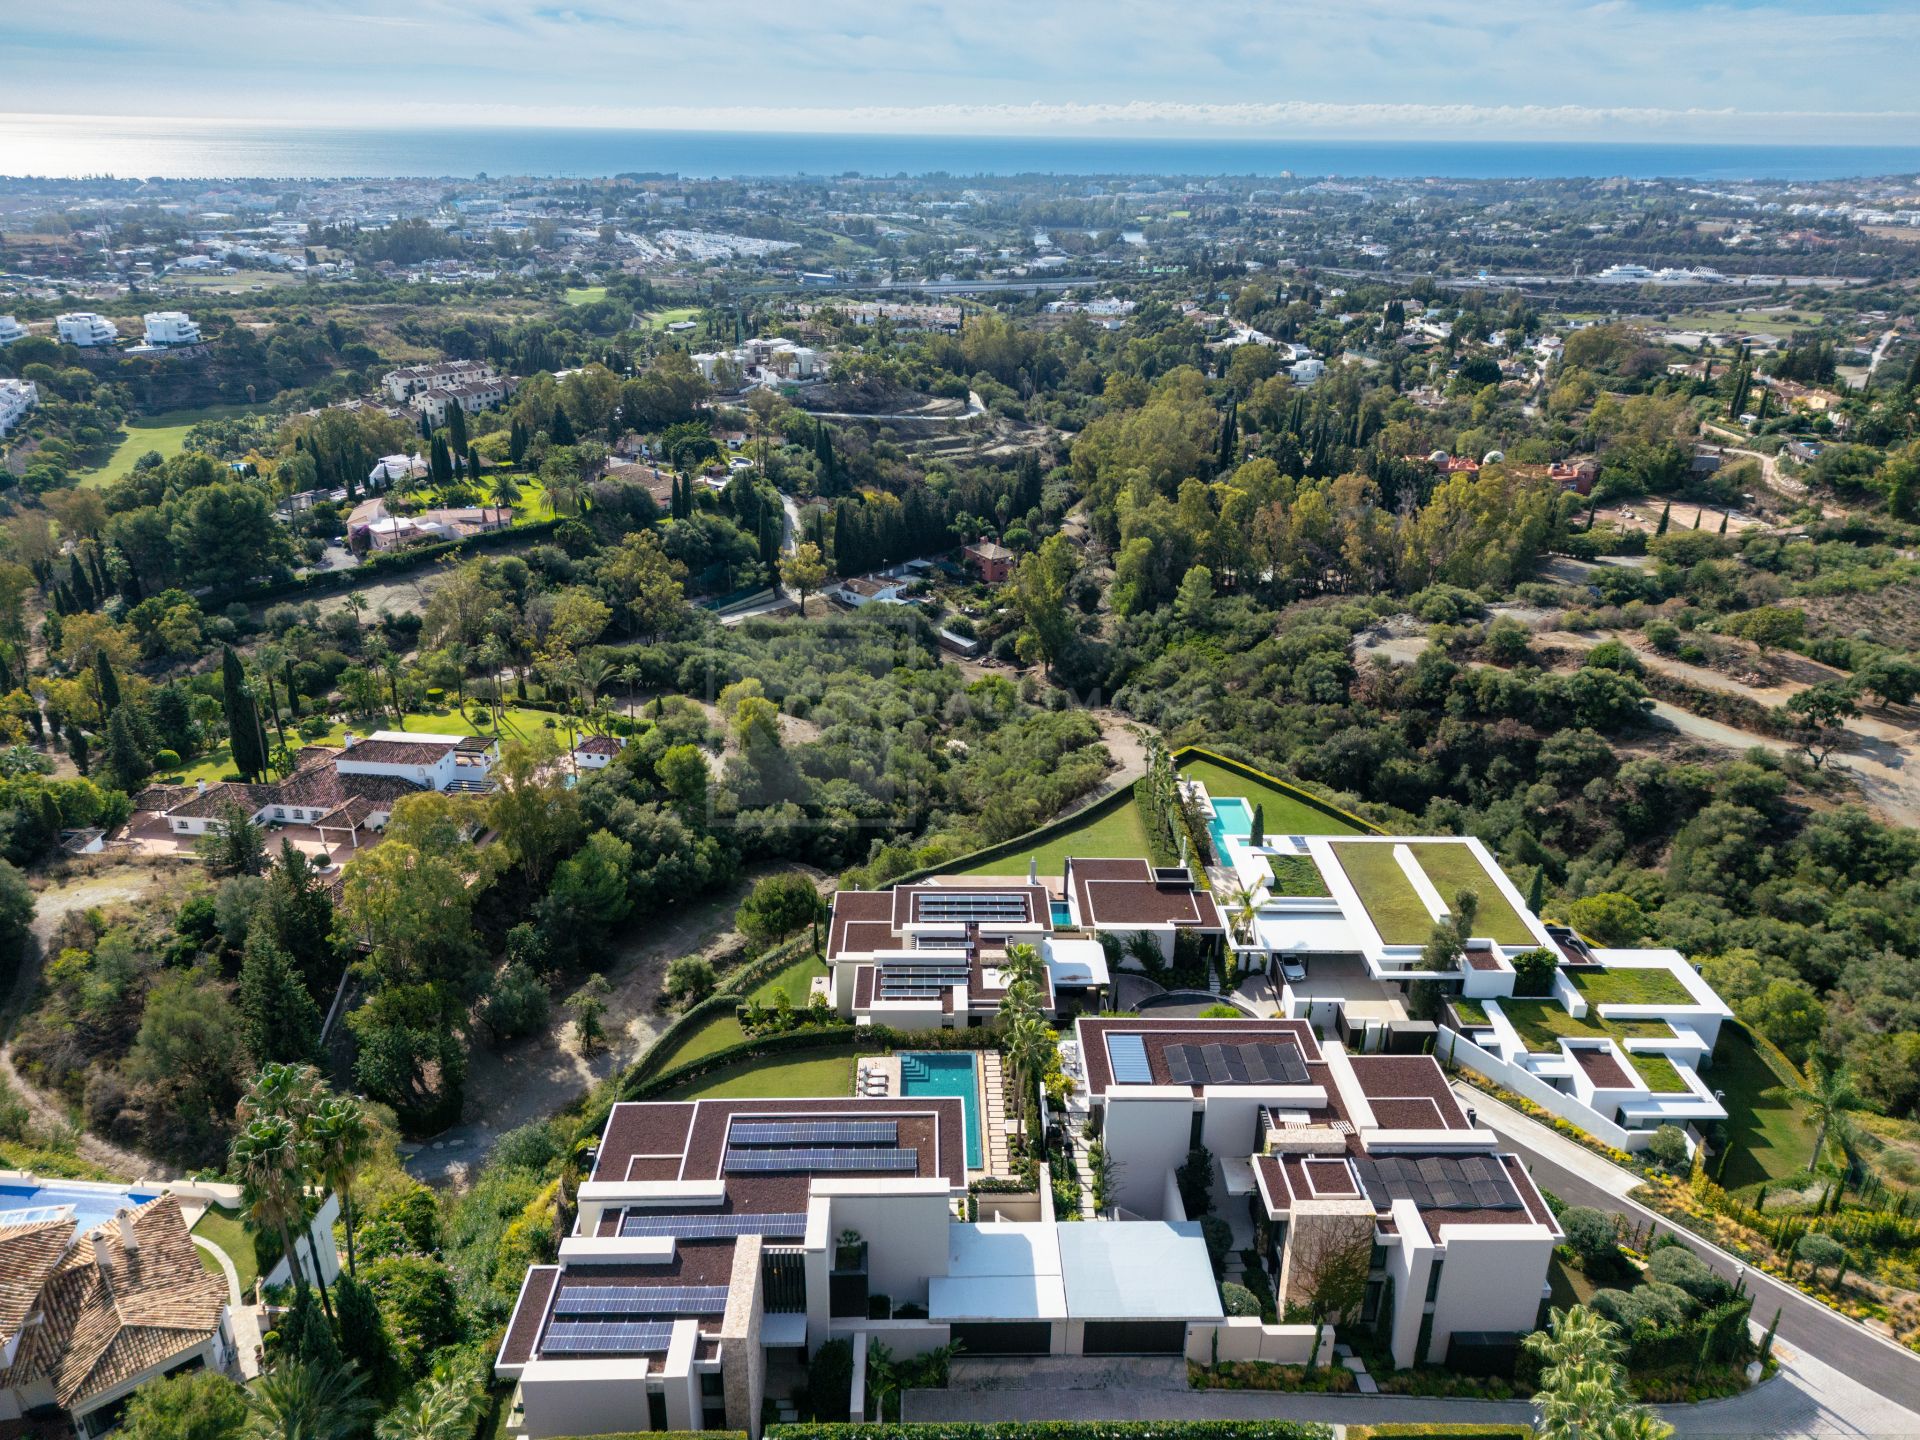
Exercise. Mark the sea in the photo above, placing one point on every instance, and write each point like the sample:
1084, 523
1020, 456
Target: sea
136, 148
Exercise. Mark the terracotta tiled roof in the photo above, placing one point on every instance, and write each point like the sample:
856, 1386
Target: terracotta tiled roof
399, 752
163, 797
111, 1312
212, 803
28, 1255
598, 745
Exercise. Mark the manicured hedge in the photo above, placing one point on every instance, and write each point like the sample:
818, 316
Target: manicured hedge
1249, 772
1415, 1430
1072, 820
863, 1038
1065, 1430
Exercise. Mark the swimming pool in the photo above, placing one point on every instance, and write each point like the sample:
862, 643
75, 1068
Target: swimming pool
1062, 913
937, 1072
91, 1206
1232, 816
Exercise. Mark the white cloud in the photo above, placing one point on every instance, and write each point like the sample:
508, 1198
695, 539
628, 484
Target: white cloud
1773, 70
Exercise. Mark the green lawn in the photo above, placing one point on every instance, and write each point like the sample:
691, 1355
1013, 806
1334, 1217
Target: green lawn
1659, 1073
515, 724
673, 315
1452, 867
225, 1229
1392, 903
166, 433
717, 1034
1296, 876
1281, 813
1543, 1023
1630, 987
1471, 1012
585, 294
1768, 1136
794, 982
1117, 833
767, 1079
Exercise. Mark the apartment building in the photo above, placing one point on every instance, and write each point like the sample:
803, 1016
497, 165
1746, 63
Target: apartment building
171, 327
85, 329
719, 1243
17, 397
11, 330
1316, 1151
472, 396
410, 380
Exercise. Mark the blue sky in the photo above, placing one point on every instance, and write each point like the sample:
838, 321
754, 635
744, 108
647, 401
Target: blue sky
1731, 70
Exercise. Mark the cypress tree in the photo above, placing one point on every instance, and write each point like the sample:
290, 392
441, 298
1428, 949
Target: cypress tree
125, 756
109, 683
1537, 891
243, 721
561, 432
1723, 523
457, 432
439, 465
426, 426
100, 586
77, 747
1665, 515
517, 441
78, 584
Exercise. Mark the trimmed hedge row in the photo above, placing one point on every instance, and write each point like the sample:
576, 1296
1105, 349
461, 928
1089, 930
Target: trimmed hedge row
1249, 772
1064, 1430
1071, 820
863, 1038
1415, 1430
724, 1001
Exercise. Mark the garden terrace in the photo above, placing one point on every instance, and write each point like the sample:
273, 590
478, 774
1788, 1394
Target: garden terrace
1392, 904
1453, 866
1629, 987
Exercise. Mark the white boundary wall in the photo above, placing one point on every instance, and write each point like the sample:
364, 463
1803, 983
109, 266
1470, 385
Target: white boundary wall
1452, 1045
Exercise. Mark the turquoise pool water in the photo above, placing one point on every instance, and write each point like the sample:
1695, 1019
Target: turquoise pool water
90, 1207
1231, 816
938, 1072
1062, 912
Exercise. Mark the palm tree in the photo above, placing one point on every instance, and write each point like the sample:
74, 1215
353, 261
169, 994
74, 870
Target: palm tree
301, 1400
629, 676
266, 1157
1028, 1041
1242, 898
1829, 1092
293, 1094
343, 1141
590, 673
443, 1407
505, 489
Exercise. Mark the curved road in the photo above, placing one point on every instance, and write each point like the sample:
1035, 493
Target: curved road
1582, 1178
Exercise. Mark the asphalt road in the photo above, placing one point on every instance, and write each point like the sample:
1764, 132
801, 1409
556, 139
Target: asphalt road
1887, 1369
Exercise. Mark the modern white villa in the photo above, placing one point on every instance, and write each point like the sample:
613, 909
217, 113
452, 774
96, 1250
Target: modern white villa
1613, 1039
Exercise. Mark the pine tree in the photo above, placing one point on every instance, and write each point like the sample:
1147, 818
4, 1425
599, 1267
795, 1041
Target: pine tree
126, 757
282, 1023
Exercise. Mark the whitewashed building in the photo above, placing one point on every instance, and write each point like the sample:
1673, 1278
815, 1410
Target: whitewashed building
86, 329
171, 327
17, 397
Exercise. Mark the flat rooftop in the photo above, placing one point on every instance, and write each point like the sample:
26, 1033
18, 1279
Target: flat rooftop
1161, 1052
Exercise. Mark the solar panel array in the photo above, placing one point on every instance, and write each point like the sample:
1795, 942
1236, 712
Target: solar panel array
640, 1300
904, 980
1127, 1054
821, 1161
1439, 1182
814, 1132
607, 1337
713, 1225
1262, 1064
962, 905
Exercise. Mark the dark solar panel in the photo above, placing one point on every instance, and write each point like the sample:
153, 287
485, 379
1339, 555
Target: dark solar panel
814, 1132
1439, 1182
606, 1337
964, 905
820, 1161
713, 1226
1261, 1064
611, 1300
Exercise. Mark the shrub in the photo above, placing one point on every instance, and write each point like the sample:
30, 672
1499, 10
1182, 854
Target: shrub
1820, 1251
1668, 1147
830, 1380
1613, 655
1593, 1239
1218, 1236
1611, 918
1533, 972
690, 978
1678, 1266
1238, 1300
166, 759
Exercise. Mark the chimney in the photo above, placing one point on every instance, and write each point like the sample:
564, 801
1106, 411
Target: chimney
1033, 870
349, 740
199, 787
128, 1239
